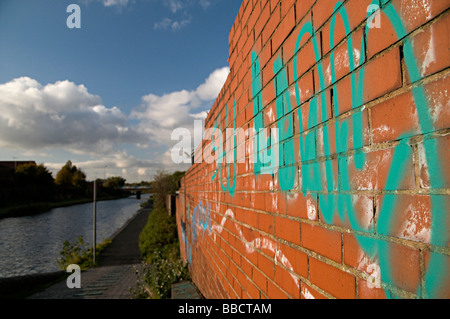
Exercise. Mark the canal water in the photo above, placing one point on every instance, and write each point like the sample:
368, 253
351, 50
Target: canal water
32, 244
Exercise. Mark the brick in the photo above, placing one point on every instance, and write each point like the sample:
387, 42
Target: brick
285, 281
334, 281
435, 289
434, 164
262, 21
253, 17
437, 98
286, 5
268, 95
309, 293
266, 223
316, 107
302, 8
382, 75
306, 58
409, 216
415, 13
367, 290
404, 263
274, 292
266, 265
341, 57
377, 166
301, 206
322, 11
276, 203
271, 25
405, 267
283, 30
354, 256
293, 259
328, 144
290, 43
359, 211
258, 201
322, 241
305, 87
287, 229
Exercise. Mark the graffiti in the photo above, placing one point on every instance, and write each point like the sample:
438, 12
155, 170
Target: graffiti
329, 199
334, 198
201, 222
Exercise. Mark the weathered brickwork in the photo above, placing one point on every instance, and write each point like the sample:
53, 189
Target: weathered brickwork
351, 198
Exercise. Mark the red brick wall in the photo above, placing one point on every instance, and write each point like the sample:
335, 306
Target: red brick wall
357, 205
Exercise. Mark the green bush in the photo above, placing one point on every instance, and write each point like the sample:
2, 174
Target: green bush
159, 235
160, 249
156, 279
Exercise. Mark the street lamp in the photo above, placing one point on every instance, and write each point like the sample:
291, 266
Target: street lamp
95, 220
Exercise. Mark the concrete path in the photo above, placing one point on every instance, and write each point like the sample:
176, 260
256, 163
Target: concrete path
116, 275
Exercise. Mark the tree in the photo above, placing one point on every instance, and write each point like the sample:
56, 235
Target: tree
31, 173
35, 180
71, 179
64, 176
164, 184
115, 182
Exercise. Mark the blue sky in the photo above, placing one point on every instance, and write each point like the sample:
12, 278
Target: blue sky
109, 93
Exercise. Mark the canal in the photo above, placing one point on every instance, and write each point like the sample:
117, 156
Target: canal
32, 244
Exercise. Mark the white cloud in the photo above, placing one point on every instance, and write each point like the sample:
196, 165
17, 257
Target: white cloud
174, 5
62, 114
112, 3
174, 25
213, 84
204, 3
66, 119
109, 3
159, 115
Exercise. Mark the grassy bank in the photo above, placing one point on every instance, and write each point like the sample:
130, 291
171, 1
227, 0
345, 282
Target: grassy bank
160, 250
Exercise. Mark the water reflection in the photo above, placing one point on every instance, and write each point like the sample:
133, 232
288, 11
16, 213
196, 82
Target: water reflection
32, 244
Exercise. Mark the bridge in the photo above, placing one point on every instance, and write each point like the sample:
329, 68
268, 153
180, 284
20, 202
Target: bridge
136, 189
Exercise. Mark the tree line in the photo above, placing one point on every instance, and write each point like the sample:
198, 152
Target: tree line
33, 183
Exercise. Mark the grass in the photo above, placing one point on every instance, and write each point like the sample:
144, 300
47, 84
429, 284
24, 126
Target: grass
80, 254
160, 250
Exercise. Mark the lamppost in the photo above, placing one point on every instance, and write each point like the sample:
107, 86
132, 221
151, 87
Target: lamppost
95, 220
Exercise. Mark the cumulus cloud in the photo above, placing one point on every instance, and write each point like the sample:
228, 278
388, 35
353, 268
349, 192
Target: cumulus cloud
64, 116
174, 25
112, 3
61, 114
174, 5
159, 115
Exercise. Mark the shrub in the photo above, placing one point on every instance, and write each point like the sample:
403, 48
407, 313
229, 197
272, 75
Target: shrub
159, 234
156, 279
160, 249
79, 253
